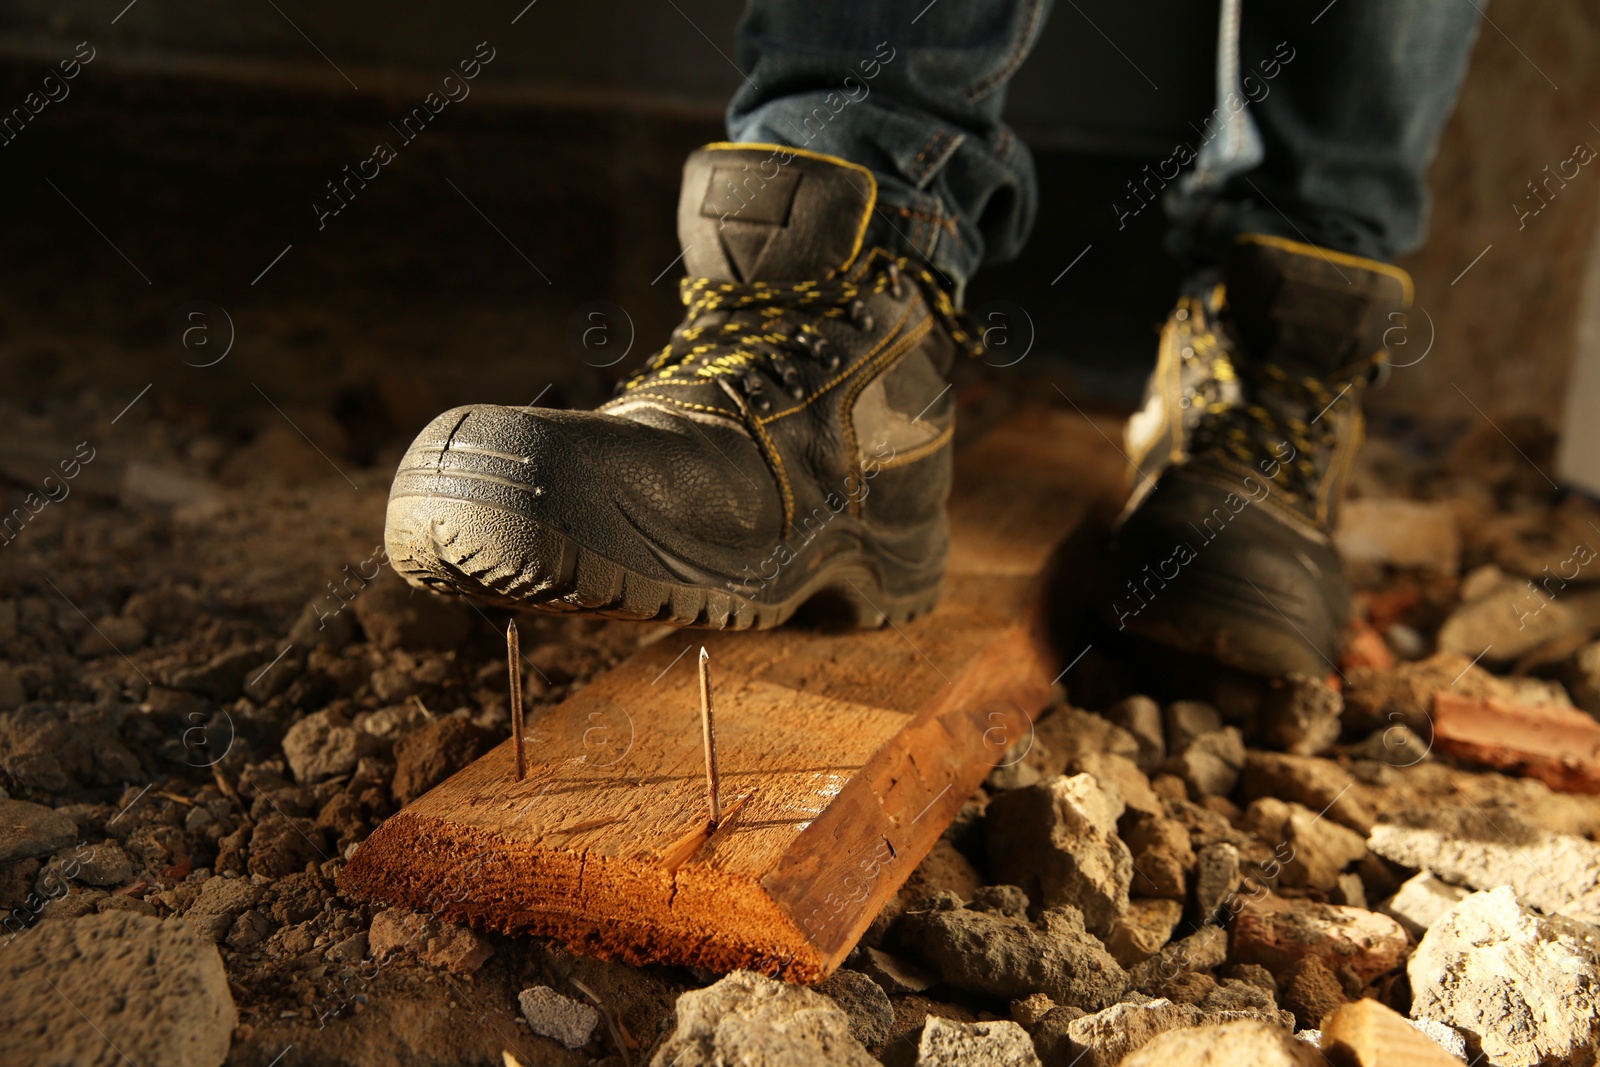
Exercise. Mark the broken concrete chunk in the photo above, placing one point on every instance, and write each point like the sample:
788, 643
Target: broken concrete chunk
221, 901
325, 744
1144, 928
1525, 988
749, 1018
1105, 1038
1372, 1035
1122, 774
560, 1018
1421, 900
1311, 991
947, 1043
1301, 715
1244, 1041
1162, 857
894, 974
1216, 881
1141, 717
1318, 848
864, 1001
1278, 933
1187, 720
1557, 873
1210, 764
1508, 617
1058, 841
1320, 784
1007, 957
141, 991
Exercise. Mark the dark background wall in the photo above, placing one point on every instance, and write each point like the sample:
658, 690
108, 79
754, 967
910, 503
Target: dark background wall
198, 140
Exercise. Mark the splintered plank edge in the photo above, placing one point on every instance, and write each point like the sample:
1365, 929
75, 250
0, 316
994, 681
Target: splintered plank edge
843, 757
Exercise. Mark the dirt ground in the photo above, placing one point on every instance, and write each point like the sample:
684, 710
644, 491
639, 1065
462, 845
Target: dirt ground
210, 574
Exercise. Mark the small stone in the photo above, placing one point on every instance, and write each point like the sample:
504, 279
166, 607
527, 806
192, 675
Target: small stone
560, 1018
1203, 950
1141, 717
323, 622
220, 902
1211, 763
281, 845
1310, 991
748, 1018
249, 930
1351, 890
1506, 618
102, 864
1278, 933
197, 820
1107, 1037
1375, 1036
871, 1014
1420, 902
457, 949
1525, 988
1007, 957
28, 830
395, 721
1301, 715
427, 756
947, 1043
895, 975
149, 990
222, 677
1395, 746
1557, 873
111, 635
1188, 720
1122, 774
1162, 856
352, 949
1446, 1037
394, 929
397, 615
1318, 848
1319, 784
1216, 881
1244, 1041
1058, 841
1031, 1010
1144, 928
324, 744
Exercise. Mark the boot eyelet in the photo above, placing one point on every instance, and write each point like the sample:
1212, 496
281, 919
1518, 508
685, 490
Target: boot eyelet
860, 317
897, 288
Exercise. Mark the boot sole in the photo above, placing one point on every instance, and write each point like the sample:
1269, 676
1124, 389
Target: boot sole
498, 556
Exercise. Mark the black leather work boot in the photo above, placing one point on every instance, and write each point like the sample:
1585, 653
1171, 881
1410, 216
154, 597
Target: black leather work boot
792, 439
1240, 455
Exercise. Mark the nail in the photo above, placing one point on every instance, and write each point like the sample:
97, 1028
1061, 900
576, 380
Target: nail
514, 667
709, 727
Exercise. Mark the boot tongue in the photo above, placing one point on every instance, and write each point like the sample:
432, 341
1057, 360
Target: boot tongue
1312, 310
767, 213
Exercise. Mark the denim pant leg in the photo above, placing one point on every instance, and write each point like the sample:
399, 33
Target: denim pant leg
1349, 100
914, 91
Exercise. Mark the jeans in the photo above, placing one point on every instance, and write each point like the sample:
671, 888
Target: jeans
1327, 118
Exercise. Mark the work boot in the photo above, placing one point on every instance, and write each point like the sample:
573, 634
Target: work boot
792, 439
1240, 456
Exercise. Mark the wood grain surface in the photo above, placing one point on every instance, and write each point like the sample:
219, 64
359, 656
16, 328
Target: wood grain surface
843, 755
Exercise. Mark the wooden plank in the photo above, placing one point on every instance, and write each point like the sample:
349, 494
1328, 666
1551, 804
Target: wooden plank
843, 755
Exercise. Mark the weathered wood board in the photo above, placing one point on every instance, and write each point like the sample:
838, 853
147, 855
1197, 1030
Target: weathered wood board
843, 755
